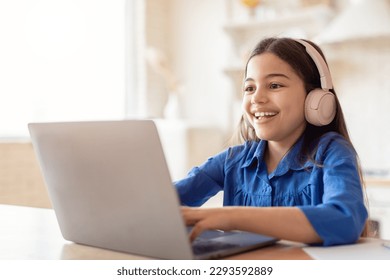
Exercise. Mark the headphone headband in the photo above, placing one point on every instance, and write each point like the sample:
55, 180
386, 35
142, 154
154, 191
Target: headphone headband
323, 70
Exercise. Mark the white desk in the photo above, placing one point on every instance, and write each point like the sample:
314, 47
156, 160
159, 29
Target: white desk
33, 233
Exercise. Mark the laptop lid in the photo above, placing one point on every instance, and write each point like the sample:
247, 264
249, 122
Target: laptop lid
110, 187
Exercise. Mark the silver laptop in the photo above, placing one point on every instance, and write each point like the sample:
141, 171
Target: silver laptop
110, 187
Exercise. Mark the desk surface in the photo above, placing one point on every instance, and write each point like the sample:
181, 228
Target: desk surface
33, 233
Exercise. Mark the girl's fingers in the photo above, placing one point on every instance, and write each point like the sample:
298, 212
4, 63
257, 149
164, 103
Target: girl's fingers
194, 217
189, 216
201, 220
196, 231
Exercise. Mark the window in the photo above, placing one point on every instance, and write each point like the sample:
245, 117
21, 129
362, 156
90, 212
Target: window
61, 60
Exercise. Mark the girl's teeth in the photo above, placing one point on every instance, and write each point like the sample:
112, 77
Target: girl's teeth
264, 114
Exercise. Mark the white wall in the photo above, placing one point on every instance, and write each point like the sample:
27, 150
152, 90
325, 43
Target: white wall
200, 49
361, 71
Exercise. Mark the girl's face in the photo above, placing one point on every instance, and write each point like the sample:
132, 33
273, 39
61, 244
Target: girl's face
274, 99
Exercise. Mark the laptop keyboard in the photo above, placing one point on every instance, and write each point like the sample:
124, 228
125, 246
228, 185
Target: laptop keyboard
203, 246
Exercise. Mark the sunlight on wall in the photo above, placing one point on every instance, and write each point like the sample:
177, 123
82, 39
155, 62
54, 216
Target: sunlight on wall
60, 60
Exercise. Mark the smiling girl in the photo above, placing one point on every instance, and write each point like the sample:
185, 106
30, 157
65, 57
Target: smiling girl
296, 175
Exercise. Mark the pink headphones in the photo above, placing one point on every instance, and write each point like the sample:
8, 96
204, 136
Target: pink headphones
320, 104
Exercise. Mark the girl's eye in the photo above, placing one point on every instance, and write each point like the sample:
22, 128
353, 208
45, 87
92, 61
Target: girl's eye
249, 89
275, 86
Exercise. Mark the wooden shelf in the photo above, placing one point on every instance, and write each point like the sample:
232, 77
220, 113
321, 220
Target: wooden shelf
377, 182
306, 23
317, 15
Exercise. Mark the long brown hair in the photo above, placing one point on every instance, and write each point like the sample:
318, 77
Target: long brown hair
294, 53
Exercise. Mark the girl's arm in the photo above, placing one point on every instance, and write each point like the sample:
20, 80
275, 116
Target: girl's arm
206, 180
281, 222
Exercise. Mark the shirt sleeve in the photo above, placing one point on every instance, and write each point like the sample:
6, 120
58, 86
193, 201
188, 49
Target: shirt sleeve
202, 182
341, 217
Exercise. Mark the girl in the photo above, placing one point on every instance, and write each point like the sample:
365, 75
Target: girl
297, 172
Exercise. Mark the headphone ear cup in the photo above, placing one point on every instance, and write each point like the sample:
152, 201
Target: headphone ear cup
320, 107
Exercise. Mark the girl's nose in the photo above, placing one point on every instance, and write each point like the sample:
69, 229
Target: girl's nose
259, 96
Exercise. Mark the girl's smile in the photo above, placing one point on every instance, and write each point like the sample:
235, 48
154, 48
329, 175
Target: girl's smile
264, 116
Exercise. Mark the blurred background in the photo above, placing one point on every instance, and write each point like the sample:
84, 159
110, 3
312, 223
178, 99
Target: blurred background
180, 62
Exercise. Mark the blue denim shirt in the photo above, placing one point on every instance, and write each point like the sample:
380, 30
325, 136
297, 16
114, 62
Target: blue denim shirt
329, 192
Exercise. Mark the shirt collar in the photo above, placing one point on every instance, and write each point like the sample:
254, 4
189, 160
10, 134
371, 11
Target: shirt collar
290, 161
255, 153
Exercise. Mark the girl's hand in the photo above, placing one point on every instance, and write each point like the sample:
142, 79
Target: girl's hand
281, 222
207, 219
